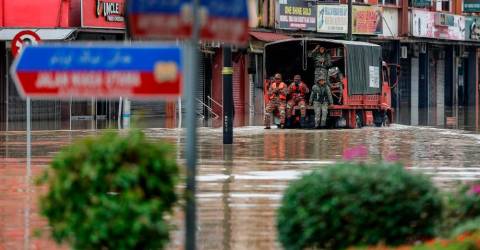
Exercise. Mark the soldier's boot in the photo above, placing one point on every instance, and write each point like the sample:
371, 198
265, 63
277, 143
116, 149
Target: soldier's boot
302, 122
288, 122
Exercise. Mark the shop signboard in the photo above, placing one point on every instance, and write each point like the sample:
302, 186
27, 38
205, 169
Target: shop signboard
422, 3
471, 6
367, 20
472, 28
332, 18
78, 71
296, 15
437, 25
107, 14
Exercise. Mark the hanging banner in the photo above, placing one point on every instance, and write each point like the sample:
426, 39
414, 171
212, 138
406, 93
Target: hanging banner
367, 20
471, 6
296, 15
437, 25
472, 28
332, 18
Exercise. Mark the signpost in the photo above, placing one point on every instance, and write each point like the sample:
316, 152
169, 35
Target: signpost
160, 19
101, 70
218, 20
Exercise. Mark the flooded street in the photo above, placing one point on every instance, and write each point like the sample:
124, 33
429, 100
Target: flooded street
239, 186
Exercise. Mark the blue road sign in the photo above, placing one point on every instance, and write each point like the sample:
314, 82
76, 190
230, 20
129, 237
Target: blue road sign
100, 70
225, 21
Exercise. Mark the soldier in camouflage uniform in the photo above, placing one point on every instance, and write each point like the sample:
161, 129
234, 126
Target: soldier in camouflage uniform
277, 93
321, 98
322, 59
336, 83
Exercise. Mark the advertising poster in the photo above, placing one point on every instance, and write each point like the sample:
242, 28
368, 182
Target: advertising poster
332, 18
423, 24
296, 15
472, 28
367, 20
443, 26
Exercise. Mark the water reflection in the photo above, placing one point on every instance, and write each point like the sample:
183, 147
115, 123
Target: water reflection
239, 186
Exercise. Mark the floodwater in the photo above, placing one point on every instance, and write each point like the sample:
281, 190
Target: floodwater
239, 186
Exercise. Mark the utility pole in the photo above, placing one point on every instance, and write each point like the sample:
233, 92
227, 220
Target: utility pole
350, 21
227, 73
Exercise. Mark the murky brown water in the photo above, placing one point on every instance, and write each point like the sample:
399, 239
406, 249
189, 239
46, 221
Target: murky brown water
239, 187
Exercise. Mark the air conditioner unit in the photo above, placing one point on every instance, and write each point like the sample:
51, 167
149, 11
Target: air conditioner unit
404, 52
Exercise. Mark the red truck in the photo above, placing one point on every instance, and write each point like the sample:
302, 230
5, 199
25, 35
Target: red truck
368, 80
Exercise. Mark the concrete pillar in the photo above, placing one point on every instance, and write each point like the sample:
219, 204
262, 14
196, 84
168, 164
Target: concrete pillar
414, 92
440, 92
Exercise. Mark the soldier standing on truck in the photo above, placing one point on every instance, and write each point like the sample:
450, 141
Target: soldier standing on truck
277, 93
298, 91
336, 83
322, 60
321, 98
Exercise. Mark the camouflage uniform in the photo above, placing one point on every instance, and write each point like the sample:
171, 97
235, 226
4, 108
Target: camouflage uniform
297, 98
336, 82
323, 61
278, 96
321, 97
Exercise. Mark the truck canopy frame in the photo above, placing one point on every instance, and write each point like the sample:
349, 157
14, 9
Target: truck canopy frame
361, 62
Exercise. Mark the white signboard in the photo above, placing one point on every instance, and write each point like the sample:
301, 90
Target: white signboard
332, 18
374, 77
423, 25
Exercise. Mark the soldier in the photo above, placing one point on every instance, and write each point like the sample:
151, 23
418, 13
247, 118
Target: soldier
298, 91
322, 60
321, 98
278, 97
336, 83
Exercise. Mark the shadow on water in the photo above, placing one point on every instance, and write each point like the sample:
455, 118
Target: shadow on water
239, 186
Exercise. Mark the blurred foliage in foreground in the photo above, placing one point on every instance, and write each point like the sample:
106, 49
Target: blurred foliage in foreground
357, 204
111, 192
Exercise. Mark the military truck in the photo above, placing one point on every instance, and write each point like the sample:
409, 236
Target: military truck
368, 80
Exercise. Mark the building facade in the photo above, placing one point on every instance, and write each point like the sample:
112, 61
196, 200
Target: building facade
436, 43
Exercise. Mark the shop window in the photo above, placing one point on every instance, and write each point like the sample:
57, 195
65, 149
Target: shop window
443, 5
389, 2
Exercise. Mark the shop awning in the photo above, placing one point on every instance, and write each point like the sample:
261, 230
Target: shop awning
268, 36
45, 34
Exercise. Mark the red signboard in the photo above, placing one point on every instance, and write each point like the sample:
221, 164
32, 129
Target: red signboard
108, 14
23, 38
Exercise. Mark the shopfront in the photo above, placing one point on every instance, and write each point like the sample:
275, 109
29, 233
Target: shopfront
57, 21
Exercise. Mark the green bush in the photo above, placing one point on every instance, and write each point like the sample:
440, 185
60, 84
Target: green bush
461, 206
350, 205
111, 192
469, 226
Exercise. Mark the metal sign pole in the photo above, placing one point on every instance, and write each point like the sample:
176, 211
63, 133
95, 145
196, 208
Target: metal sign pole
227, 96
191, 66
29, 173
29, 137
